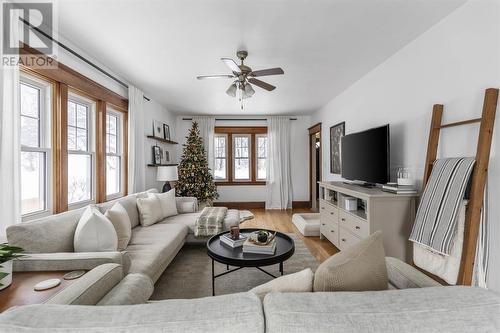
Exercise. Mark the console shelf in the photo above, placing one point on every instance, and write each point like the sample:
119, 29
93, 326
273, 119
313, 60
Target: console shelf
376, 210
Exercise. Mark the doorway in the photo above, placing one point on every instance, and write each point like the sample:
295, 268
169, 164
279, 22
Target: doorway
314, 165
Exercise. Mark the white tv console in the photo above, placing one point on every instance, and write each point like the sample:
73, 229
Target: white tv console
393, 214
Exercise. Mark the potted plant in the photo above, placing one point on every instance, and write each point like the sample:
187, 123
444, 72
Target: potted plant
7, 254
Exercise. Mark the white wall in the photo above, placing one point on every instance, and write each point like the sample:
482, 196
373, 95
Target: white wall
299, 162
452, 63
155, 111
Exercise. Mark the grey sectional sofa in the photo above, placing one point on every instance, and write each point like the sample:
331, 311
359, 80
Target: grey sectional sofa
435, 309
49, 240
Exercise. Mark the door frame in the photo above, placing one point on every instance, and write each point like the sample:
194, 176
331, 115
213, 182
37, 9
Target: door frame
312, 131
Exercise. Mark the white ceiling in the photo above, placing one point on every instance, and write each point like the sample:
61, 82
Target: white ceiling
323, 45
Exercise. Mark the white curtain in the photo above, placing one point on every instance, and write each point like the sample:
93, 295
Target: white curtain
136, 141
206, 125
279, 182
10, 146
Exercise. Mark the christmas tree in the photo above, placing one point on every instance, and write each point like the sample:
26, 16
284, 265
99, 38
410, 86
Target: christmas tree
195, 178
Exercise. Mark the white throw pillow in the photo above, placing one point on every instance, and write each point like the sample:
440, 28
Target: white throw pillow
167, 201
121, 222
292, 283
94, 232
150, 210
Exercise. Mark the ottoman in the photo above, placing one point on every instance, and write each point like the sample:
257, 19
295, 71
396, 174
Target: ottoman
307, 223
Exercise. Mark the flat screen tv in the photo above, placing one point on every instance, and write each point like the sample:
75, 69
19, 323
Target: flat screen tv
365, 156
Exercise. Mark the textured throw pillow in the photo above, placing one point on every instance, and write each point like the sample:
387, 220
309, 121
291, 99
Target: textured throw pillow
167, 200
94, 232
149, 210
121, 222
358, 268
292, 283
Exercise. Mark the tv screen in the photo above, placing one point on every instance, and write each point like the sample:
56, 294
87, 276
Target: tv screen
365, 155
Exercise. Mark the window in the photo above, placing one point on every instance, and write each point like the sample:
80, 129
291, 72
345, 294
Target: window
114, 148
220, 163
35, 106
81, 175
241, 144
261, 156
240, 155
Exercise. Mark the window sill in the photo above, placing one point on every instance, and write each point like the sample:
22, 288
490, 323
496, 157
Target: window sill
242, 183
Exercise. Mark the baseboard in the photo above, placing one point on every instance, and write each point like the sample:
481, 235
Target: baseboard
257, 204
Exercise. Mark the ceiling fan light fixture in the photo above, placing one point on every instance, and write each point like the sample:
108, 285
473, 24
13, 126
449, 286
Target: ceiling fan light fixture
248, 90
231, 91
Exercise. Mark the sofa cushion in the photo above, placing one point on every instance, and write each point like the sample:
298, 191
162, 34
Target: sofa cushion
436, 309
150, 210
152, 248
228, 313
46, 235
297, 282
94, 232
360, 267
121, 222
167, 202
132, 289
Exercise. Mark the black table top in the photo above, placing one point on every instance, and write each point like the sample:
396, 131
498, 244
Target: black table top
225, 254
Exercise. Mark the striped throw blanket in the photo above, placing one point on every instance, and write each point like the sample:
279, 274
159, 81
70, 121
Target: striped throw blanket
436, 222
210, 222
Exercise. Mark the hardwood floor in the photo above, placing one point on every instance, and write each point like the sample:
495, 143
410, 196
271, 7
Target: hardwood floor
282, 221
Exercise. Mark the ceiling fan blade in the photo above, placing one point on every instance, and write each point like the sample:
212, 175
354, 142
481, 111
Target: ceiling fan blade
261, 84
231, 64
269, 71
222, 76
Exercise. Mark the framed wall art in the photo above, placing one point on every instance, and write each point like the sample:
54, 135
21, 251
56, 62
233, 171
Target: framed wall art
336, 134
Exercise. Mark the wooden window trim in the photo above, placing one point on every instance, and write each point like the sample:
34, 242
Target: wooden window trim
252, 132
65, 80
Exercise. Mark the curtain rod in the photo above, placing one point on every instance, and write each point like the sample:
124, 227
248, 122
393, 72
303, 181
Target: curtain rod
237, 119
73, 52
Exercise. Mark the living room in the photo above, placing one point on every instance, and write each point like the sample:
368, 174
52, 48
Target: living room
250, 165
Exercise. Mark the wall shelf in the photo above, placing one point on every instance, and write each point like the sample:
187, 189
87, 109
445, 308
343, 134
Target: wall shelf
162, 140
157, 165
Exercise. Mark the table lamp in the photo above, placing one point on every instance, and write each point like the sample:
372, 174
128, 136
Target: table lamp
167, 174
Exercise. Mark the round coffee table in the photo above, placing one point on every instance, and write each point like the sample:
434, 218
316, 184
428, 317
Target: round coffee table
229, 256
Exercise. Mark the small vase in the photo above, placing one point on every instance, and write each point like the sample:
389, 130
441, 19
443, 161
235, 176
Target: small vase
6, 268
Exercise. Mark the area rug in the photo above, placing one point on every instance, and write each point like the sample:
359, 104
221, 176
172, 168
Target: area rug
189, 275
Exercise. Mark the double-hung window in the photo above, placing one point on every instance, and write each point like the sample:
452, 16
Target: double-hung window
220, 163
261, 142
35, 107
241, 157
114, 155
81, 151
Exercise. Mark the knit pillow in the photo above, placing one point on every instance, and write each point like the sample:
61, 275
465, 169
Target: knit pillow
358, 268
292, 283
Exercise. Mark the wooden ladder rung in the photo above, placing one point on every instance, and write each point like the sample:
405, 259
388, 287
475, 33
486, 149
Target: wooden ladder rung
464, 122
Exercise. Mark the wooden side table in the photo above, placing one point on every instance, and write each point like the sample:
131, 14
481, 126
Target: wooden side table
21, 291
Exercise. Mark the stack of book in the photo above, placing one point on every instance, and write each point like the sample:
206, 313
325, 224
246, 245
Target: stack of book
250, 247
226, 239
399, 189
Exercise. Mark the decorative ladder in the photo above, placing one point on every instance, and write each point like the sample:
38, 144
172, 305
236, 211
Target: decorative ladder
473, 213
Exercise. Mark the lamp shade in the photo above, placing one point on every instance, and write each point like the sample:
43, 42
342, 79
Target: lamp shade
167, 173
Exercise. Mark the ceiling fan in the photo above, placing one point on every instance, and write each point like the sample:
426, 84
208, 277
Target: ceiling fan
244, 77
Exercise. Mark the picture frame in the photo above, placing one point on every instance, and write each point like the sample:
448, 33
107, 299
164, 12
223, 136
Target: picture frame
167, 156
158, 129
166, 132
156, 155
336, 133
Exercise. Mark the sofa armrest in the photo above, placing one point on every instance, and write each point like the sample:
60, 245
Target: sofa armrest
91, 287
186, 205
133, 289
403, 276
69, 261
